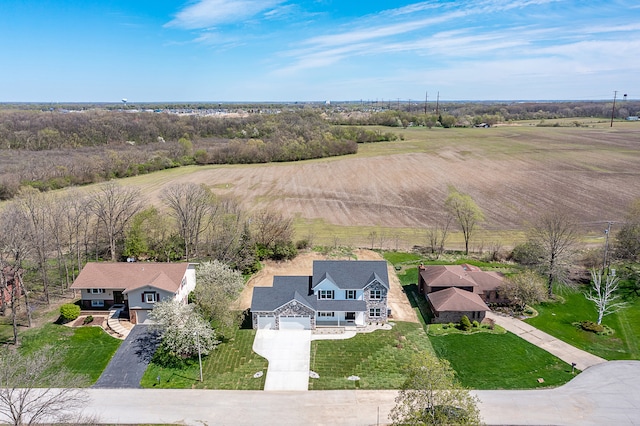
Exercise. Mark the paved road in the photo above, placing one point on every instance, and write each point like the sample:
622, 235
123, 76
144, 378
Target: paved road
126, 368
288, 353
605, 394
562, 350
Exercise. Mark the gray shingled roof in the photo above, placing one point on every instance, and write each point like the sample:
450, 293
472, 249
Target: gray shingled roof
284, 290
350, 274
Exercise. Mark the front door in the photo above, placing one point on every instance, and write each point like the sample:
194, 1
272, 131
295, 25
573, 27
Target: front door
118, 297
350, 316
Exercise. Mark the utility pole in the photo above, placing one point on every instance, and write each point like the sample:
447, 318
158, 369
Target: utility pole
606, 246
426, 101
437, 103
613, 110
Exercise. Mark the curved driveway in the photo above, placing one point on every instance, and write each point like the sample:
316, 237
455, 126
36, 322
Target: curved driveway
605, 394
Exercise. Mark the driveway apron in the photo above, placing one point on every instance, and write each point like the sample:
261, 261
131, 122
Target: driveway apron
130, 361
288, 353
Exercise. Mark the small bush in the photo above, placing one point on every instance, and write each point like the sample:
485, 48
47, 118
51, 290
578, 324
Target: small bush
88, 319
451, 325
475, 324
591, 326
69, 312
465, 324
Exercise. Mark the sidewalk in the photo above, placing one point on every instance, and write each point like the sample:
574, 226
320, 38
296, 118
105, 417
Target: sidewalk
562, 350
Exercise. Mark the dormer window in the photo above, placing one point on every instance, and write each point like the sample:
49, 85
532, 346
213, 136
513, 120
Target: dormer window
325, 294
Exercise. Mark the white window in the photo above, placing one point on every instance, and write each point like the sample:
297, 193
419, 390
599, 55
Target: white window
351, 294
326, 314
325, 294
97, 303
374, 312
150, 297
97, 290
376, 294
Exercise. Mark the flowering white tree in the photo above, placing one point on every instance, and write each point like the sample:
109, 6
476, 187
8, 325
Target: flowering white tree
183, 330
603, 294
217, 288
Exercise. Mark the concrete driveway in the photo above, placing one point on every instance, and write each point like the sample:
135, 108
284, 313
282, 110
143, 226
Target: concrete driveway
288, 353
126, 368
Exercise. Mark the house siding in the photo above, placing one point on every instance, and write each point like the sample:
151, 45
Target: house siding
291, 308
376, 303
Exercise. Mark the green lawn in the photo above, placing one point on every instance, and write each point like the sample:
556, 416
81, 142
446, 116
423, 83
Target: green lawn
230, 366
83, 350
557, 318
379, 358
500, 361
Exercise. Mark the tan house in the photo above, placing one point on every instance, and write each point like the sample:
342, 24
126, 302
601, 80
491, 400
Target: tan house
135, 285
474, 290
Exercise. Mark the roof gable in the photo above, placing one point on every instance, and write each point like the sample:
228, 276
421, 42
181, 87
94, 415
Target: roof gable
456, 300
350, 274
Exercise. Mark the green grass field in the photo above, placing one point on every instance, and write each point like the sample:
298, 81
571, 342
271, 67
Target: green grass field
500, 361
379, 358
557, 318
230, 366
83, 350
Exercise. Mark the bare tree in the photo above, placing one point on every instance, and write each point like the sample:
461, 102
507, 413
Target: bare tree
467, 213
271, 227
191, 206
437, 236
23, 400
603, 294
432, 396
523, 289
114, 206
556, 234
37, 208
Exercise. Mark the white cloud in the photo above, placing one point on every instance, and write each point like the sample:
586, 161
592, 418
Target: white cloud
206, 13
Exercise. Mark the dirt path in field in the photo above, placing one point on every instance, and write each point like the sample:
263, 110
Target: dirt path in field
303, 265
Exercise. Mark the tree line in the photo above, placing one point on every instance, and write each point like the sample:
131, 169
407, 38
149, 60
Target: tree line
48, 237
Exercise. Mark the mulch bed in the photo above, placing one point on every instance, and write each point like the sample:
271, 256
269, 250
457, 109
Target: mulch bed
97, 320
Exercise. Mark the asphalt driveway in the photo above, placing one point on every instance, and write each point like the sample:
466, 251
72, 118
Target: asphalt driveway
130, 361
288, 353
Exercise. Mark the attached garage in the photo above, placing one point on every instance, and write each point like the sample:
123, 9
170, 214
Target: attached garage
294, 322
266, 322
142, 316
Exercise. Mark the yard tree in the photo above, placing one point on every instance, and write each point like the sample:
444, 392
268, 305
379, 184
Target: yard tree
23, 397
556, 234
603, 294
114, 206
431, 395
627, 241
217, 288
466, 212
437, 235
524, 288
183, 330
190, 205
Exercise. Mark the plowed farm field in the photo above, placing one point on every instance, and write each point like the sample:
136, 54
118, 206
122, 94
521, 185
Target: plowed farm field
389, 192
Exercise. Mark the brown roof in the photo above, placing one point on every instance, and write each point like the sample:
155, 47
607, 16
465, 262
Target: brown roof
454, 299
447, 276
461, 276
131, 275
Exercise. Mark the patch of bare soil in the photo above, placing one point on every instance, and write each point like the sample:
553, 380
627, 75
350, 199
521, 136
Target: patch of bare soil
401, 309
97, 320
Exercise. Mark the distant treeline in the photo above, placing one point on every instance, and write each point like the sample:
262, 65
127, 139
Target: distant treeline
52, 149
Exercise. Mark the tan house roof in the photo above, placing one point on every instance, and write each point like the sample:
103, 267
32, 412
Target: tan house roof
461, 276
131, 275
454, 299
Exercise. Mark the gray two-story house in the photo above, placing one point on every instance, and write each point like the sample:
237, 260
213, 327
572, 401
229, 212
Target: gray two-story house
339, 293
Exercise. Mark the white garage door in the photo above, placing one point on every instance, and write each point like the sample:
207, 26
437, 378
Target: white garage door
142, 317
266, 323
295, 323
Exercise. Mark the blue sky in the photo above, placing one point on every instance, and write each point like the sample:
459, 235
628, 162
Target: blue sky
314, 50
